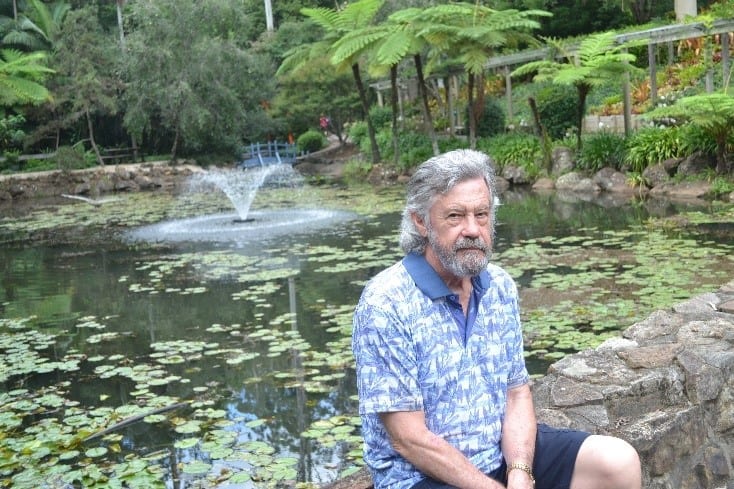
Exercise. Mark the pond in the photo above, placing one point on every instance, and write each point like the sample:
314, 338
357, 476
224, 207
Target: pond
200, 363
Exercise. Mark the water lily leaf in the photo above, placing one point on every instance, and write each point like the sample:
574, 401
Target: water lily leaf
196, 468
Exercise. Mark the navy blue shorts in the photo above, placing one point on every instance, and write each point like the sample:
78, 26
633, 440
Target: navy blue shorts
555, 458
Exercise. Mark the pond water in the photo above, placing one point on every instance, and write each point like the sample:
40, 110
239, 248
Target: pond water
195, 363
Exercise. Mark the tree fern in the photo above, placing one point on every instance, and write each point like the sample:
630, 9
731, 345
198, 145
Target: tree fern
20, 77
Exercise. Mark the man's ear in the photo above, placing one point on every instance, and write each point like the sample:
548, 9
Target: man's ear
419, 224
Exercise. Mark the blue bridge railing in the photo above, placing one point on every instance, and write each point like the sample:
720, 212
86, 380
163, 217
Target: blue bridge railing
270, 153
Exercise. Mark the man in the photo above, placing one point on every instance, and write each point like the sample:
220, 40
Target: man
443, 388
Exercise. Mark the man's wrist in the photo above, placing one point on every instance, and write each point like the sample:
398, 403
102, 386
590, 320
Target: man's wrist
523, 467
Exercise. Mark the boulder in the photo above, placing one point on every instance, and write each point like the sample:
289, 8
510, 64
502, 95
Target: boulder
562, 160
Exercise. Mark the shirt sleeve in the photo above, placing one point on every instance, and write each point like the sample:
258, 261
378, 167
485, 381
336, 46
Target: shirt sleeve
387, 370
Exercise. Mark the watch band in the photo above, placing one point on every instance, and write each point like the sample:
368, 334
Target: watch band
521, 466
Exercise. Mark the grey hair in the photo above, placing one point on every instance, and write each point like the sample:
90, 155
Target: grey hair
437, 176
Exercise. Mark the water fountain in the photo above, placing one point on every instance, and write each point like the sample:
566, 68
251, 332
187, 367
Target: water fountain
244, 225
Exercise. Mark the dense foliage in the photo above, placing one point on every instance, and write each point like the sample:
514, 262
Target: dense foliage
185, 78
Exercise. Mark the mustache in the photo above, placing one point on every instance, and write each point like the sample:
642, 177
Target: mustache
465, 243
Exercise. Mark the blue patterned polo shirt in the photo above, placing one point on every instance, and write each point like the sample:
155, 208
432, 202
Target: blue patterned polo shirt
413, 355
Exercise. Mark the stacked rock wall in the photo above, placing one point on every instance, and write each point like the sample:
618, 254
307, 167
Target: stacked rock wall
666, 386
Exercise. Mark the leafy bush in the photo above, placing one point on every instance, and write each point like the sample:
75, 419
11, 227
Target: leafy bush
381, 117
652, 145
602, 149
721, 186
11, 162
40, 165
356, 170
414, 147
448, 144
72, 158
514, 149
358, 132
695, 138
492, 121
311, 141
557, 109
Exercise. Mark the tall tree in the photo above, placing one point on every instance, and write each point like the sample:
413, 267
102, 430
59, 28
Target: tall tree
86, 85
597, 61
385, 46
471, 34
199, 83
336, 23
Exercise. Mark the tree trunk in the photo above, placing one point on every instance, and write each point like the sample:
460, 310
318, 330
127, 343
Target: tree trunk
721, 163
120, 27
449, 104
542, 135
174, 148
470, 107
376, 158
90, 129
583, 91
394, 106
427, 119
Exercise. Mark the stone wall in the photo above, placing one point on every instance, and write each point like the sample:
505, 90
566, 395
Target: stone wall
93, 182
666, 386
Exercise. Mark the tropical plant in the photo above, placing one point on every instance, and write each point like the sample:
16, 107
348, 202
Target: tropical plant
652, 145
336, 23
514, 149
713, 112
38, 27
471, 34
21, 75
602, 149
386, 45
597, 61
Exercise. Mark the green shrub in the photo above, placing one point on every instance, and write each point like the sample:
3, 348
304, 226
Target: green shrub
12, 160
381, 117
557, 109
40, 165
414, 148
601, 149
451, 143
721, 186
358, 132
310, 141
514, 149
356, 170
694, 138
70, 158
492, 121
652, 145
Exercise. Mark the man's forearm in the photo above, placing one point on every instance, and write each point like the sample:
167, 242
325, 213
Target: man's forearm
519, 431
431, 454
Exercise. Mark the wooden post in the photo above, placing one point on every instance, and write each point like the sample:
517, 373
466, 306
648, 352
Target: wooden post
725, 60
652, 63
508, 93
627, 102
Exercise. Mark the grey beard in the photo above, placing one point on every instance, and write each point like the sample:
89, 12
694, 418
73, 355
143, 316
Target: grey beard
467, 266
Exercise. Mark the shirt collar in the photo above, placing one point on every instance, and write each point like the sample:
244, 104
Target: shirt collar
430, 283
